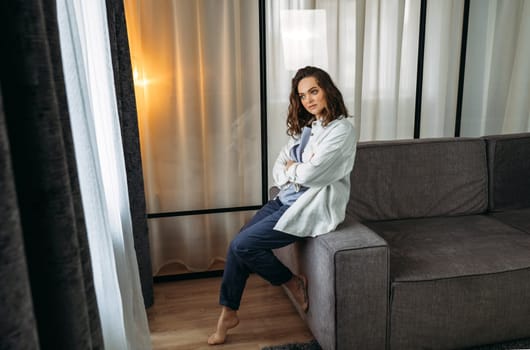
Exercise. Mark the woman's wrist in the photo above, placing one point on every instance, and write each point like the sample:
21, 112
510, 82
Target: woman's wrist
289, 163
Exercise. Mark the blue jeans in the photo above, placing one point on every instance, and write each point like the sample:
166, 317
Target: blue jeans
251, 251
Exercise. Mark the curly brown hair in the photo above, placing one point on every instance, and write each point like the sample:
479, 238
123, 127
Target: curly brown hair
298, 116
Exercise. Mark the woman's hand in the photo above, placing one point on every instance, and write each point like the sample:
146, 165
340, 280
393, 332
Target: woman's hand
289, 163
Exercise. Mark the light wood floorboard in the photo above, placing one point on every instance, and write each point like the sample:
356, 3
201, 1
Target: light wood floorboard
185, 314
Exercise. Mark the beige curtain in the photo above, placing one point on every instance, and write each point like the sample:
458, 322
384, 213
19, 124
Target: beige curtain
196, 68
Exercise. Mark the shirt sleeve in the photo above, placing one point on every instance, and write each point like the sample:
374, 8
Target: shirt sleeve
327, 164
279, 173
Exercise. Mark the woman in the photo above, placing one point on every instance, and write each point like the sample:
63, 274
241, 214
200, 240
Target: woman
313, 174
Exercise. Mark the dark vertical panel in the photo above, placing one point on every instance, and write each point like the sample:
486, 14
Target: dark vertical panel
48, 202
18, 327
419, 74
461, 74
263, 101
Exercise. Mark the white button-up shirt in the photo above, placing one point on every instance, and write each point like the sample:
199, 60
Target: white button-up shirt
326, 165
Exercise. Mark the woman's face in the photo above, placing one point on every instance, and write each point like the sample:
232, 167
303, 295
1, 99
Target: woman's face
312, 96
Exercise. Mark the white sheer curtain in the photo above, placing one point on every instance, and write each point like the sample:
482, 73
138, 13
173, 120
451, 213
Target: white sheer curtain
371, 51
99, 155
443, 35
389, 67
497, 79
318, 26
196, 67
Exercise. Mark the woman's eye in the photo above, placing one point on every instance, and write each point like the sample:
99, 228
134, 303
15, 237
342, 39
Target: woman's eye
314, 92
302, 97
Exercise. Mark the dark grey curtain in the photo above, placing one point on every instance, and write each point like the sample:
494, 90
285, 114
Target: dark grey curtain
123, 80
47, 297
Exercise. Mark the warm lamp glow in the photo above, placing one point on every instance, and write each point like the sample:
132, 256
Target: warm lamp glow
138, 80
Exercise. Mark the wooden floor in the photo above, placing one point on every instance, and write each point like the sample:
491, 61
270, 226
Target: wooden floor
185, 314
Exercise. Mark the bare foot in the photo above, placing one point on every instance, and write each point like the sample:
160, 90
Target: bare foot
297, 287
227, 320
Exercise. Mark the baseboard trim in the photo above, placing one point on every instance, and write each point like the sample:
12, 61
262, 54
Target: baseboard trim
187, 276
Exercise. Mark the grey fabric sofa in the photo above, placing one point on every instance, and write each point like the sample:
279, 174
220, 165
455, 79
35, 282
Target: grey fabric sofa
434, 252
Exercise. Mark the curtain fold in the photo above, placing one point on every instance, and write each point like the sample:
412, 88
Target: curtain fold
17, 325
123, 81
443, 35
389, 65
497, 78
44, 217
91, 92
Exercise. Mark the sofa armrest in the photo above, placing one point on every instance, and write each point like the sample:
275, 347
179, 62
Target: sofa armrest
348, 286
351, 234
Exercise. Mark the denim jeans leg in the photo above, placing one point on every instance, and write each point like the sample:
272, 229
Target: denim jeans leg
251, 251
268, 209
235, 277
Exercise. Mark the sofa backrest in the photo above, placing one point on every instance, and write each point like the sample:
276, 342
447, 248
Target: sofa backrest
509, 171
419, 178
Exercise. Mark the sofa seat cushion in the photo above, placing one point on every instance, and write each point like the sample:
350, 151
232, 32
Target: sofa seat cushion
456, 282
519, 219
435, 248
